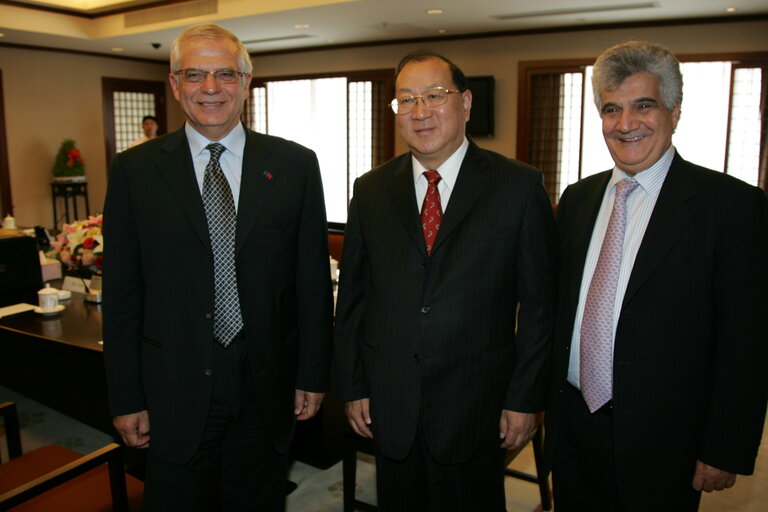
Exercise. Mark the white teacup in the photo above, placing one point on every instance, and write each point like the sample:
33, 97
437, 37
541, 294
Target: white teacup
48, 298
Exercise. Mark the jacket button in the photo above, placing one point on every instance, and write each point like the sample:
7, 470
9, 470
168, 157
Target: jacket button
207, 372
424, 310
417, 358
208, 316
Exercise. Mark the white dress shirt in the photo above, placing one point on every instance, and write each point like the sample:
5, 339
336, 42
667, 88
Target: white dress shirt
640, 206
231, 160
449, 172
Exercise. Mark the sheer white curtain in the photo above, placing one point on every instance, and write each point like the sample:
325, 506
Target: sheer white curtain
314, 114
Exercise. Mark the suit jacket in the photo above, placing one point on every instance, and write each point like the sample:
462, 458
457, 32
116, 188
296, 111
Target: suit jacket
159, 286
690, 359
431, 340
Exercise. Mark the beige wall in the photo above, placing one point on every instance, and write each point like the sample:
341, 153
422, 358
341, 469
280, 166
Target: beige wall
51, 96
500, 57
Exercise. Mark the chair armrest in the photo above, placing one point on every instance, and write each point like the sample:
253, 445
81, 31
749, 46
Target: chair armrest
110, 454
12, 433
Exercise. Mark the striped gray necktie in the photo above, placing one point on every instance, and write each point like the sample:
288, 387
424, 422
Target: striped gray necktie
221, 215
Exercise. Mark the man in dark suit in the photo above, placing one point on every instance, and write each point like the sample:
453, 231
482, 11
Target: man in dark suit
659, 374
428, 357
217, 310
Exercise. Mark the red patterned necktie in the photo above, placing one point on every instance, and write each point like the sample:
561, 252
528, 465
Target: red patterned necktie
596, 354
431, 210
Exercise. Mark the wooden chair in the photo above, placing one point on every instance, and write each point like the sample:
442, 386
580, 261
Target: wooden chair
55, 478
360, 444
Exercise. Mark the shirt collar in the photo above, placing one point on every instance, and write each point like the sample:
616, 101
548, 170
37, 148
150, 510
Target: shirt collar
234, 141
449, 170
650, 179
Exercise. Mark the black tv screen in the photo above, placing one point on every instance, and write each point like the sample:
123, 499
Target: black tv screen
481, 117
20, 274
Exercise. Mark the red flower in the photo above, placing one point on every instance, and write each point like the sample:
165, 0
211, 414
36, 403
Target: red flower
89, 243
97, 261
73, 155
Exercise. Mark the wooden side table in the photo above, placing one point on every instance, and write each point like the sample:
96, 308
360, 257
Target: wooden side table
69, 192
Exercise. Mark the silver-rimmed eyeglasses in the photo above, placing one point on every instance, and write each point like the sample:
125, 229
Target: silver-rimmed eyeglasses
223, 76
429, 98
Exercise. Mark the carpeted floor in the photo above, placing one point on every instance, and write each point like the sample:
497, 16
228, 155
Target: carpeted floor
321, 490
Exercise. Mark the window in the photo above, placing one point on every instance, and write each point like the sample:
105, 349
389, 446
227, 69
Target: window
341, 117
559, 129
125, 103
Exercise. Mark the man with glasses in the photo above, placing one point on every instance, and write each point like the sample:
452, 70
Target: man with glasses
217, 310
445, 303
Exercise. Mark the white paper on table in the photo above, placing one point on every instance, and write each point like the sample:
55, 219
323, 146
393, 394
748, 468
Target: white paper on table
15, 309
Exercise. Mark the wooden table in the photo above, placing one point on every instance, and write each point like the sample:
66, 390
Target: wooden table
58, 362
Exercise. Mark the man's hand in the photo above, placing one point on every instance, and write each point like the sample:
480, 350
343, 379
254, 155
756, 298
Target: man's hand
516, 428
306, 404
708, 478
359, 416
133, 428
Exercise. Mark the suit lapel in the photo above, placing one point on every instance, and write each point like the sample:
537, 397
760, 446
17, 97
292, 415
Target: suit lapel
669, 219
177, 170
257, 181
472, 181
583, 223
403, 196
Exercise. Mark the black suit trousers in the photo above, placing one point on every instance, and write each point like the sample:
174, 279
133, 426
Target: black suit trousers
419, 483
235, 468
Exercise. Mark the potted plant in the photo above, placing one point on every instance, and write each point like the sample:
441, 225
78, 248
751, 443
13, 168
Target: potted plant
69, 166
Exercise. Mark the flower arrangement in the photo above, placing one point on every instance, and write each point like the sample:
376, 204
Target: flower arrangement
80, 244
69, 161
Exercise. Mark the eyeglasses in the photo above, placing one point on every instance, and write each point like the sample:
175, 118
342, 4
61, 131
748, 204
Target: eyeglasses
223, 76
430, 98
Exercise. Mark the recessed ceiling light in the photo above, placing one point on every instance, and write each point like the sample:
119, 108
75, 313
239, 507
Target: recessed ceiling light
730, 9
117, 49
2, 35
301, 25
434, 11
441, 31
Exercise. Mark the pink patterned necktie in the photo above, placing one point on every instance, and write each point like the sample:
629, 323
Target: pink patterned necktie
596, 354
431, 210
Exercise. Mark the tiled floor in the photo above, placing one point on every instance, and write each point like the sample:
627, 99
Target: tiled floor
321, 491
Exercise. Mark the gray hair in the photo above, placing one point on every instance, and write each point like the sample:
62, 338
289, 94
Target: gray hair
211, 31
623, 60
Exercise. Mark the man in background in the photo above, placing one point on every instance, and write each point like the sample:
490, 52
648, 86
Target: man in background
441, 247
659, 375
217, 295
149, 126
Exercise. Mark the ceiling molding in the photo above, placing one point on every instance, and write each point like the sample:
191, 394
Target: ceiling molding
524, 32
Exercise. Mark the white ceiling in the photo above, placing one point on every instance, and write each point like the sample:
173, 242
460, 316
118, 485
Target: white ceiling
270, 25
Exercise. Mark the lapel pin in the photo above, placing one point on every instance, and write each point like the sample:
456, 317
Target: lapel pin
267, 175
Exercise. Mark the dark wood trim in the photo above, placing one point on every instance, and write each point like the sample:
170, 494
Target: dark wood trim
5, 174
92, 13
352, 76
525, 71
113, 55
524, 32
108, 87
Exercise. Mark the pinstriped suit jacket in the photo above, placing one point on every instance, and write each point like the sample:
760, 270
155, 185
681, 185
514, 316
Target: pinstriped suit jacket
431, 340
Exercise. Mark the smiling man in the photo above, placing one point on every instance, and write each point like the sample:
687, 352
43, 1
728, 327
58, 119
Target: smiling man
442, 245
217, 309
659, 388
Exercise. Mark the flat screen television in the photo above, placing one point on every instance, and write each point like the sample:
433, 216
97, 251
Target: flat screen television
20, 274
481, 118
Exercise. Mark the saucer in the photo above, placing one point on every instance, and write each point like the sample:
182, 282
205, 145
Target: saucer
55, 311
